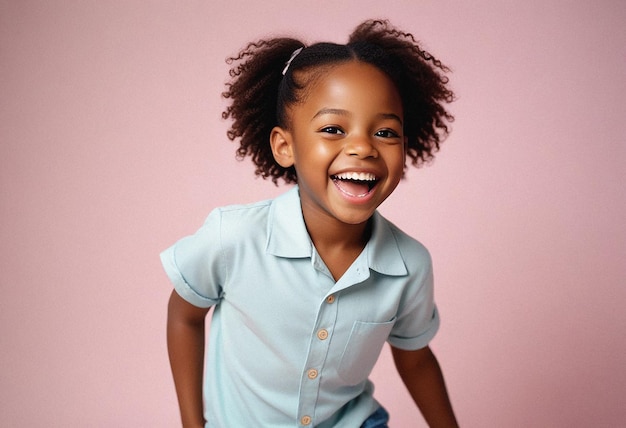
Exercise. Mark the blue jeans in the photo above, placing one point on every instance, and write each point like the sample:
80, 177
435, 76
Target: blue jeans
378, 419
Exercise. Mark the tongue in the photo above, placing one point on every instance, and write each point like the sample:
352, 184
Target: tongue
353, 188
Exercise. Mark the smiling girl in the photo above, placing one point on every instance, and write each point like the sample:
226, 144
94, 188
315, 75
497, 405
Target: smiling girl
309, 286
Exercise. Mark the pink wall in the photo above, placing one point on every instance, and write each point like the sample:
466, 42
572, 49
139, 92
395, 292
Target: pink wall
111, 147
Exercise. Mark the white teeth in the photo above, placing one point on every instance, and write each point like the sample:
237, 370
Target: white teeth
360, 176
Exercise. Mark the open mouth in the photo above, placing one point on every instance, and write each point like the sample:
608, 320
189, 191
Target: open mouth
355, 184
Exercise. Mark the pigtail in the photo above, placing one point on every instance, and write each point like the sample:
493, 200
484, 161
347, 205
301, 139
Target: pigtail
421, 81
256, 75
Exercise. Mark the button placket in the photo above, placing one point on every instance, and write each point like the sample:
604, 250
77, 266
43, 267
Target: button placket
318, 351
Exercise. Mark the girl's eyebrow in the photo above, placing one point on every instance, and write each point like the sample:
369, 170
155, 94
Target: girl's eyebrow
392, 116
336, 111
342, 112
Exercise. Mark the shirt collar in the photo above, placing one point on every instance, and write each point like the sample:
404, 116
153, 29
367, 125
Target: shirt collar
383, 254
286, 232
288, 237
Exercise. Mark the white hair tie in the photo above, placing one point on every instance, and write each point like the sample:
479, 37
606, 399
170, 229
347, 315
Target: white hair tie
293, 55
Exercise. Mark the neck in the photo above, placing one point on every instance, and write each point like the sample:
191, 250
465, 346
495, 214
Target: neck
329, 232
337, 243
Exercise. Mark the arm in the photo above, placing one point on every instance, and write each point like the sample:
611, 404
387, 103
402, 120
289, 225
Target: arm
422, 376
185, 343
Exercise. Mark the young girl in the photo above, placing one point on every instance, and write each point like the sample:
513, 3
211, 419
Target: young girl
308, 287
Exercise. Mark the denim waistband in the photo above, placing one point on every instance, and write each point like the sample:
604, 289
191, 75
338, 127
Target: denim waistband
378, 419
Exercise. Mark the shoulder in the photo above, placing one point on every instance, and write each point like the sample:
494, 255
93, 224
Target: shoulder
413, 252
241, 218
244, 210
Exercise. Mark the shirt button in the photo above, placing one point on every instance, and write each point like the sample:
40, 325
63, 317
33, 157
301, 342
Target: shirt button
312, 374
305, 420
322, 334
330, 299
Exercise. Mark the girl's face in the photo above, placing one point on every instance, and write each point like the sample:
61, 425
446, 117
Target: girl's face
346, 143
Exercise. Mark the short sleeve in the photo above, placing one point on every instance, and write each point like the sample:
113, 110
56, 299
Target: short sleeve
418, 318
195, 264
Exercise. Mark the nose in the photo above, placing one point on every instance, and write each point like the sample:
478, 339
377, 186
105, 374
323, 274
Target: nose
361, 147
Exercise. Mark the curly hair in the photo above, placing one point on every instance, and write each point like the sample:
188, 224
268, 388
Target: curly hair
260, 94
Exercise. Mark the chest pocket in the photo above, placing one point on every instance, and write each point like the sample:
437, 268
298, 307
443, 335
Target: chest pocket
362, 350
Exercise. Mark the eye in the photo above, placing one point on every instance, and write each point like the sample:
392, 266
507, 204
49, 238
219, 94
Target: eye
332, 130
387, 133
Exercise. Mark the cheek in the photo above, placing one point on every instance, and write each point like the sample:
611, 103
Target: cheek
312, 152
324, 152
396, 161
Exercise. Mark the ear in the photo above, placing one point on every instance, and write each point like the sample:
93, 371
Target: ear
282, 147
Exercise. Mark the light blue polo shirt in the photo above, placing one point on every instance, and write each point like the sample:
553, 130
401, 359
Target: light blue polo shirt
289, 346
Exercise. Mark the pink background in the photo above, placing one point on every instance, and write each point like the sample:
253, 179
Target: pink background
112, 147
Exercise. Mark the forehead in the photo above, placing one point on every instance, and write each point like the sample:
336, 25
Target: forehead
352, 85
